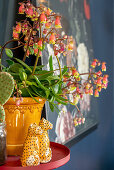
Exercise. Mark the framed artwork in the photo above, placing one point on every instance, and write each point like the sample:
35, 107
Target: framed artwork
75, 21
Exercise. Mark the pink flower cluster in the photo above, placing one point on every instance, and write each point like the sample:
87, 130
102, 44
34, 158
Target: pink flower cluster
18, 100
45, 29
78, 121
95, 82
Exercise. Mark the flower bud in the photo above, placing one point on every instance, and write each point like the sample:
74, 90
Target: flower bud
103, 66
21, 9
18, 28
48, 25
17, 102
96, 94
15, 34
36, 51
57, 22
40, 44
70, 45
43, 18
48, 12
29, 12
52, 39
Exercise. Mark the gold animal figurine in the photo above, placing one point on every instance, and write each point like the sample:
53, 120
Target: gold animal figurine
45, 152
30, 156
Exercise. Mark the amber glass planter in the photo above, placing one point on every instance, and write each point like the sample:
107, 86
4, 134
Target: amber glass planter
18, 119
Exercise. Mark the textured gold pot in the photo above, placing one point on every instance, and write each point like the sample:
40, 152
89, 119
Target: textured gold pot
18, 119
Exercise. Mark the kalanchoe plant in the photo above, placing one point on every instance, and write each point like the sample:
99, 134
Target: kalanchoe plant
41, 27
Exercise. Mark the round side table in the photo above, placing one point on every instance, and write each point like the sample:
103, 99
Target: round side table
60, 156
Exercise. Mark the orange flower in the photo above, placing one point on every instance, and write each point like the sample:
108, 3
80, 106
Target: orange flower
43, 18
91, 91
103, 66
15, 34
70, 45
29, 12
99, 81
57, 22
40, 44
48, 25
93, 64
18, 28
96, 94
75, 72
21, 9
36, 51
48, 12
105, 79
52, 39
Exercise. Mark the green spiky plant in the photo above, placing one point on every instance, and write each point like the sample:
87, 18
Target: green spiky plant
6, 89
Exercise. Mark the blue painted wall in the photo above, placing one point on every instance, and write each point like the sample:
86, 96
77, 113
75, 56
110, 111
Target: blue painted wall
96, 151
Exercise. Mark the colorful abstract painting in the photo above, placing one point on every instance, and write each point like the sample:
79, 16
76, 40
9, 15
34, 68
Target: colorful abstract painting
75, 21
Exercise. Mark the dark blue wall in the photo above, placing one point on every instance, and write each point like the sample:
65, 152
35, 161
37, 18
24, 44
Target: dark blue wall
96, 151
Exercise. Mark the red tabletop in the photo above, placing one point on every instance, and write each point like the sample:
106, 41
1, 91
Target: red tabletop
60, 156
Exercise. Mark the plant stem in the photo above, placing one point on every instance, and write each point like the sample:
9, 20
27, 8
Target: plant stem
36, 62
86, 73
40, 30
15, 47
59, 67
49, 33
5, 46
24, 58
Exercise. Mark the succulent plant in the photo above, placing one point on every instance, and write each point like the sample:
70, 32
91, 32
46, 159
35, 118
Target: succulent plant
2, 114
6, 89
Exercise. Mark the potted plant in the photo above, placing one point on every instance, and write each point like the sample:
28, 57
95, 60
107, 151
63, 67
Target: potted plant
33, 85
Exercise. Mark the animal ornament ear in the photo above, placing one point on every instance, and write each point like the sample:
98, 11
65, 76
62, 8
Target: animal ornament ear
45, 124
34, 129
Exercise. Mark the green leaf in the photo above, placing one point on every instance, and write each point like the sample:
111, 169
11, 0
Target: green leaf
2, 66
59, 101
51, 63
43, 87
38, 92
38, 67
53, 77
52, 99
10, 62
47, 93
56, 108
25, 92
0, 47
29, 83
15, 76
51, 106
23, 76
56, 88
32, 95
25, 65
43, 47
64, 70
9, 53
43, 74
31, 50
15, 68
35, 46
61, 98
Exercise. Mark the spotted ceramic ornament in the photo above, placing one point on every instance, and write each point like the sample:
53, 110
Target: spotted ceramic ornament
45, 152
6, 89
30, 156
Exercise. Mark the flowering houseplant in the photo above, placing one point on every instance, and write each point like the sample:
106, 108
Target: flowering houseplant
41, 27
